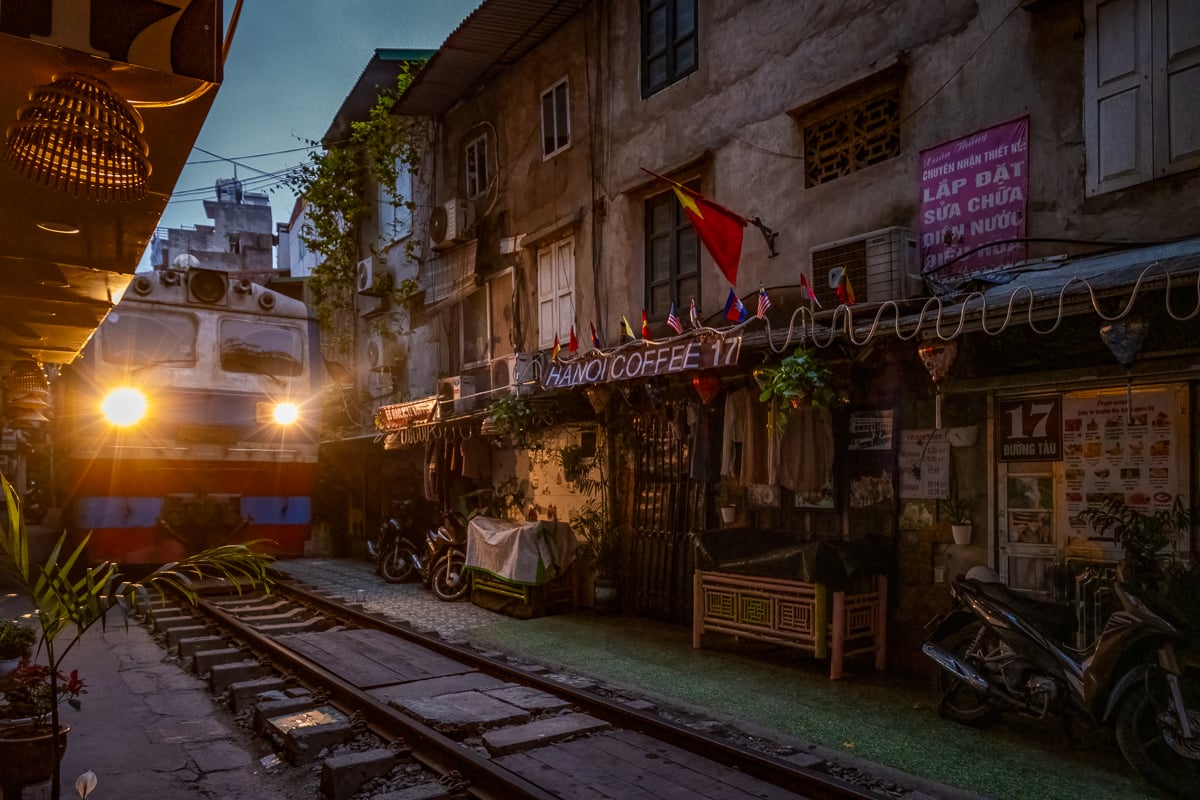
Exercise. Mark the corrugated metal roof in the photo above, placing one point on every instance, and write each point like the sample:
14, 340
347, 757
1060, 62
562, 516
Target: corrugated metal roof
379, 74
494, 37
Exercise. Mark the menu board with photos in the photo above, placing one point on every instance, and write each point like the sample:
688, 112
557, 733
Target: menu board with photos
1110, 449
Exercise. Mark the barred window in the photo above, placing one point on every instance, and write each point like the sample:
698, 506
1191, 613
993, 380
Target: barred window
855, 137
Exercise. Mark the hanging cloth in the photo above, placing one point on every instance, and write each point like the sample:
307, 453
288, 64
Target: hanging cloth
744, 450
806, 451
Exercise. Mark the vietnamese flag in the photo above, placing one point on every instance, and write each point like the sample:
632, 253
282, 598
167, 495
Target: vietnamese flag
573, 342
645, 326
844, 291
719, 228
555, 349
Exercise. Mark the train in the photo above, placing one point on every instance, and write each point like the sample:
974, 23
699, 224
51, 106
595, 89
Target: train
191, 420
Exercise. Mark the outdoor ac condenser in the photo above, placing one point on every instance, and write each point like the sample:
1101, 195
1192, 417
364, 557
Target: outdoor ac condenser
882, 265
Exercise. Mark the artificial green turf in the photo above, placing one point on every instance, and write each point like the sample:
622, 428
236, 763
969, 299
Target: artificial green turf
874, 716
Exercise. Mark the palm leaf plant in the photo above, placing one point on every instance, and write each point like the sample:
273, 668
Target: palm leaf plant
70, 597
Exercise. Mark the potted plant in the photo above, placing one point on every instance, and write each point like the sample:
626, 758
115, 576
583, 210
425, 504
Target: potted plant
69, 598
510, 415
1143, 537
600, 548
729, 497
802, 377
958, 510
16, 644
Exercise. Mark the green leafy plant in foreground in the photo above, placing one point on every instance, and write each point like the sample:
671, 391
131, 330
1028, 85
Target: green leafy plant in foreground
69, 597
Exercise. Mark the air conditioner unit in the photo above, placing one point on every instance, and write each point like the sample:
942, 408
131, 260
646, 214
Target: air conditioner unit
448, 222
456, 395
514, 374
881, 265
364, 275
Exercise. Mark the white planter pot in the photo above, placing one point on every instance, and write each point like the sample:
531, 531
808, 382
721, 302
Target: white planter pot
728, 514
962, 533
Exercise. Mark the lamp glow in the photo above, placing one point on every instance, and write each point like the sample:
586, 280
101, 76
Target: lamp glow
286, 413
124, 407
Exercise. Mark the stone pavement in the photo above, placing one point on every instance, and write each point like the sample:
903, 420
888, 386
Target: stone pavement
150, 730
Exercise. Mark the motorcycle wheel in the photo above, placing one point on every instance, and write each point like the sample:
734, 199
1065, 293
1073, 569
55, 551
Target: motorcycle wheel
956, 700
449, 580
396, 564
1149, 737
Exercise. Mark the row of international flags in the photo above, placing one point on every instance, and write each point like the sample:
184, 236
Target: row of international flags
721, 232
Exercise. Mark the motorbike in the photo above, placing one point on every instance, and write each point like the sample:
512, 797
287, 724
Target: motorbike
397, 542
1001, 651
442, 561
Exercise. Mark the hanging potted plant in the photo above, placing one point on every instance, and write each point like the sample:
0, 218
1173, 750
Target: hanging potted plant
729, 497
802, 377
510, 415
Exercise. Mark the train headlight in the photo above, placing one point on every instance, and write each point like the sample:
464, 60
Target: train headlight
286, 413
124, 407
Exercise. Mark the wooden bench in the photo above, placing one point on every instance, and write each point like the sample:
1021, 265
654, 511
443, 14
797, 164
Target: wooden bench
808, 616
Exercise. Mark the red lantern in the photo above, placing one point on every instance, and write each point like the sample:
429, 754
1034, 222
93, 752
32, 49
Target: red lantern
707, 386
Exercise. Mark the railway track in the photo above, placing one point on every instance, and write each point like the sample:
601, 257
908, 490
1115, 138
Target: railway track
464, 723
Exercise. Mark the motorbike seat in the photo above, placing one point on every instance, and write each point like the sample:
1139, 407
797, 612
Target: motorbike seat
1054, 619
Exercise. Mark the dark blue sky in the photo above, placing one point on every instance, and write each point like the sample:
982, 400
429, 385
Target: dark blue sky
289, 69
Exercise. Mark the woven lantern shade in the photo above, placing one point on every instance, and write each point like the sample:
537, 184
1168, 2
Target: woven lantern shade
77, 136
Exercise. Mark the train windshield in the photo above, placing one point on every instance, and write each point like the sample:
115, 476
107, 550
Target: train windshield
136, 340
251, 346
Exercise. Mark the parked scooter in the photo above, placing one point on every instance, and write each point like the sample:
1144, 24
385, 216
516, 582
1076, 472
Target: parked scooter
443, 559
1001, 651
397, 542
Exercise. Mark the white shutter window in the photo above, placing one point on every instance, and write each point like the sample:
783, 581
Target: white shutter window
1141, 77
1177, 85
556, 287
1117, 111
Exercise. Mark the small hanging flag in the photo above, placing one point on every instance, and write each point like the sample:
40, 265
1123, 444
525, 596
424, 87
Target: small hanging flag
735, 311
673, 320
626, 328
808, 290
845, 291
764, 303
693, 317
573, 342
555, 349
595, 338
645, 326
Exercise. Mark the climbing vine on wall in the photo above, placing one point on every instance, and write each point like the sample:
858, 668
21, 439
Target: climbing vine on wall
334, 185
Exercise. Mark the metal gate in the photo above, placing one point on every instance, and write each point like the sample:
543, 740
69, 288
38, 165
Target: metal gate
666, 506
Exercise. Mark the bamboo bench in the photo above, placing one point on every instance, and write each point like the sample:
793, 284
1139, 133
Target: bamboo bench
847, 621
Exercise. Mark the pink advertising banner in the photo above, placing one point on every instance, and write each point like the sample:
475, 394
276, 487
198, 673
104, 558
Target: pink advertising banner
973, 192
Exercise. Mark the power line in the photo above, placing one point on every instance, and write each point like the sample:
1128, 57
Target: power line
220, 159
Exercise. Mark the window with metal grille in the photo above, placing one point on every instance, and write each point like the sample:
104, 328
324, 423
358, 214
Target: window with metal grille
669, 49
672, 255
855, 137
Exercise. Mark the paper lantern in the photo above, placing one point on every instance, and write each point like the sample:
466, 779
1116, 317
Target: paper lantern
707, 385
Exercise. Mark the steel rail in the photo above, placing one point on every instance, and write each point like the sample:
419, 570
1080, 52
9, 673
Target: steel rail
810, 783
443, 755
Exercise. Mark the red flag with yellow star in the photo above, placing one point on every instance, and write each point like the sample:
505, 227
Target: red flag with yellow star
719, 228
573, 342
645, 326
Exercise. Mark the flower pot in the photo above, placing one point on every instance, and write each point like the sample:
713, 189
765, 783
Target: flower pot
27, 754
728, 514
605, 598
961, 533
